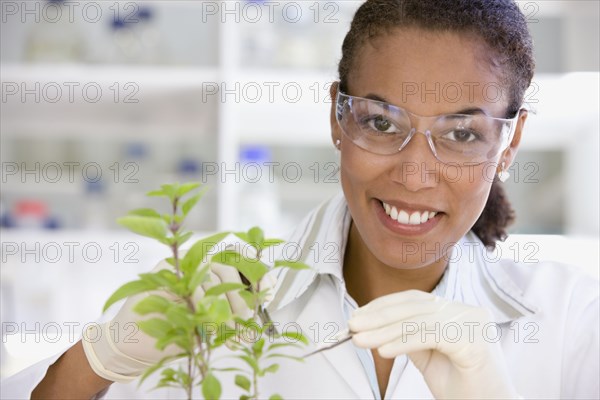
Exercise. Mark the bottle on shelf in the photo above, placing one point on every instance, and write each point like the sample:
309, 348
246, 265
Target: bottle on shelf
137, 176
136, 39
149, 36
95, 206
31, 214
55, 38
258, 196
125, 47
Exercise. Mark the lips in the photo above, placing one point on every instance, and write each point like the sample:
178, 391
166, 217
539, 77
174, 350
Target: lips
408, 217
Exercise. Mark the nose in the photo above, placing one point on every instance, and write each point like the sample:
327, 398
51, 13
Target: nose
416, 167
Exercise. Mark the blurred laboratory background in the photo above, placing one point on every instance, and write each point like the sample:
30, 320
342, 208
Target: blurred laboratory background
103, 101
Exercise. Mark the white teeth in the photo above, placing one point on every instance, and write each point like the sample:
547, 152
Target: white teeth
415, 218
403, 217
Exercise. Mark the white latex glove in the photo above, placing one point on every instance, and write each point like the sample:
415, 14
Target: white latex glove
460, 361
119, 351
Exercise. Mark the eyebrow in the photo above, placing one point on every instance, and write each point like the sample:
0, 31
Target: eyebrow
464, 111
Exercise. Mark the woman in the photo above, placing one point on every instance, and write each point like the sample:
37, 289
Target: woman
429, 102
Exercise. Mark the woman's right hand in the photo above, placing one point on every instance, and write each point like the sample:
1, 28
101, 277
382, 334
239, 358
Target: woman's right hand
119, 351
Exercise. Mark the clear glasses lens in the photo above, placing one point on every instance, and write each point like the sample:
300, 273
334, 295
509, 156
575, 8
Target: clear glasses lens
385, 129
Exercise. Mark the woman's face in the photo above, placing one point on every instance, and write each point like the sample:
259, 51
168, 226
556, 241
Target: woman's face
419, 71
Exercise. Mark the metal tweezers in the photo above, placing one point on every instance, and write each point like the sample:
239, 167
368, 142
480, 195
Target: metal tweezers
265, 318
341, 337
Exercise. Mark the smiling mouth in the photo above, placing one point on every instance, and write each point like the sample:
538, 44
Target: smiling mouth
406, 217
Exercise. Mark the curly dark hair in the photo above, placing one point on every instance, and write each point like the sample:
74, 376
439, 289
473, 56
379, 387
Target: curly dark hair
498, 23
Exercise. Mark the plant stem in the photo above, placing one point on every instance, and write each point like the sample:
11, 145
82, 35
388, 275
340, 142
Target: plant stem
192, 358
254, 317
255, 378
175, 249
191, 380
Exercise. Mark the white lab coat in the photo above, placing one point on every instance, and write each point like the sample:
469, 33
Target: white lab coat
547, 318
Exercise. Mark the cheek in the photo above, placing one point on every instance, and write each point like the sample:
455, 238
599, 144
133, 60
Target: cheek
359, 168
470, 190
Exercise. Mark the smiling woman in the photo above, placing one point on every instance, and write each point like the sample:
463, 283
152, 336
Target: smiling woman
387, 203
428, 117
372, 177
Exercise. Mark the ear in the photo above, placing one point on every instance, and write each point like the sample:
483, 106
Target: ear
336, 132
511, 152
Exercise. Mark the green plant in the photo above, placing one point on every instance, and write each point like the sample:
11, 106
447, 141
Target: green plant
197, 328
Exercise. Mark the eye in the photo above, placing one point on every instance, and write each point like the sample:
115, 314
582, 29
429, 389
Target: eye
380, 124
461, 135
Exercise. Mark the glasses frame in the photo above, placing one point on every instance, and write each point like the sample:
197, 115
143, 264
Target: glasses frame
339, 110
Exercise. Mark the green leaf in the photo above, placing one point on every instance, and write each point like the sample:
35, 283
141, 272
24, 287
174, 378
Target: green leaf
290, 264
243, 382
168, 375
149, 371
129, 289
211, 387
280, 355
155, 327
270, 369
282, 344
151, 227
161, 278
156, 193
199, 276
253, 270
219, 311
180, 317
169, 241
224, 288
225, 334
170, 261
257, 347
151, 304
144, 212
184, 342
178, 219
264, 294
275, 397
229, 369
190, 203
272, 242
167, 218
184, 377
256, 237
184, 237
170, 190
248, 297
251, 362
169, 378
185, 188
243, 236
196, 254
296, 336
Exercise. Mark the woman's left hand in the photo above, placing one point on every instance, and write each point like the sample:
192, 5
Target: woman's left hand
445, 340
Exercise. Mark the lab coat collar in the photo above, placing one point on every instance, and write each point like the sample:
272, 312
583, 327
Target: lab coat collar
472, 277
321, 240
477, 278
320, 318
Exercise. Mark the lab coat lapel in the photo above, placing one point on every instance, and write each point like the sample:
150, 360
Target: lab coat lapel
325, 310
320, 318
411, 385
